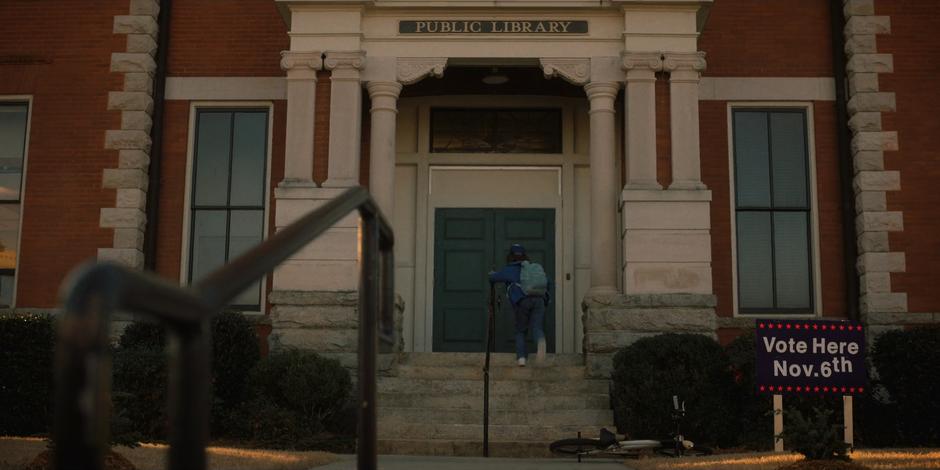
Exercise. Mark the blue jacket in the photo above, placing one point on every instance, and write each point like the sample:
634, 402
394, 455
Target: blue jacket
510, 275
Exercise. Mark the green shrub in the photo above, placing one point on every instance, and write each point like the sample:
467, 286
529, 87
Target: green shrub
140, 384
817, 438
234, 352
650, 371
313, 388
753, 410
26, 374
908, 367
141, 380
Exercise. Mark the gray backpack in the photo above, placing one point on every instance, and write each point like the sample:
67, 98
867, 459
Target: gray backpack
532, 279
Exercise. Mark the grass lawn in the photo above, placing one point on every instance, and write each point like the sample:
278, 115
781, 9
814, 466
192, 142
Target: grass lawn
900, 459
17, 451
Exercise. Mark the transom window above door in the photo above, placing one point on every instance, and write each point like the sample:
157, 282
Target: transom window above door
478, 130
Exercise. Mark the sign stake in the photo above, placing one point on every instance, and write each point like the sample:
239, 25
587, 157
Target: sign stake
778, 422
847, 417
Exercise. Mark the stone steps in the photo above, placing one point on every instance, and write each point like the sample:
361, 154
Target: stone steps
470, 388
496, 359
395, 416
433, 402
597, 401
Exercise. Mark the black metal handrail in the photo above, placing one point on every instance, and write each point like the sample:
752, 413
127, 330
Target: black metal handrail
94, 291
490, 332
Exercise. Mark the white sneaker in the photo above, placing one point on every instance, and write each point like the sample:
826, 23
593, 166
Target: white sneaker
540, 355
521, 362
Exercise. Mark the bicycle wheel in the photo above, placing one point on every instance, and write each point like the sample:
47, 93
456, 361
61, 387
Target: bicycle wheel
575, 445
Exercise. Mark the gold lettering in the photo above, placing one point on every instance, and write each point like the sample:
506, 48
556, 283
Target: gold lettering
421, 26
446, 27
433, 26
476, 27
466, 27
526, 26
516, 27
540, 27
564, 26
495, 27
553, 26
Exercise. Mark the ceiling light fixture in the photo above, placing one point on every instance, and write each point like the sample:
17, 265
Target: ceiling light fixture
495, 78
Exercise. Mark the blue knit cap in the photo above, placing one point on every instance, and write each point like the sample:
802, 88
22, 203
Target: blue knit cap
516, 249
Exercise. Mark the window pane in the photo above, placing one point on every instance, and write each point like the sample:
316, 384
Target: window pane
755, 271
496, 131
788, 144
6, 290
208, 251
752, 163
12, 147
791, 254
212, 158
248, 160
245, 232
9, 235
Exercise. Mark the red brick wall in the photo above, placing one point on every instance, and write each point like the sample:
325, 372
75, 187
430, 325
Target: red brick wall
715, 173
214, 38
916, 68
663, 131
768, 38
321, 130
60, 53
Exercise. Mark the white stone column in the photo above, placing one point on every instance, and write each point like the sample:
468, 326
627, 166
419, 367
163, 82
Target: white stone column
685, 69
640, 98
301, 70
345, 118
384, 96
604, 187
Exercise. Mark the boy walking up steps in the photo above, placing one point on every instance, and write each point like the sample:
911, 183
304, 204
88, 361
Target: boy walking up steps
527, 287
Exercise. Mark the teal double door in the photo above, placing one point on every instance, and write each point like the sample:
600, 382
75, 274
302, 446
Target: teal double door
468, 244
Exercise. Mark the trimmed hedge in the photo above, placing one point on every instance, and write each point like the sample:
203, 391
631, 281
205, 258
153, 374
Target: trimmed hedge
908, 367
26, 374
650, 371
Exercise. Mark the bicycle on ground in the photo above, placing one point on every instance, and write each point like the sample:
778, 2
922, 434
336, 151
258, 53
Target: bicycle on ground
608, 445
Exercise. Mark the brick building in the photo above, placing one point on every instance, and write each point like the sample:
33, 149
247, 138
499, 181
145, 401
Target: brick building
677, 165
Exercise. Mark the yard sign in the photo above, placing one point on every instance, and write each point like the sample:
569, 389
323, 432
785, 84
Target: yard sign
804, 356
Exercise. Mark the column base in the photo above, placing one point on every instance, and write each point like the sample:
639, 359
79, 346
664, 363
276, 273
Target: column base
340, 183
612, 322
326, 322
666, 241
642, 185
687, 185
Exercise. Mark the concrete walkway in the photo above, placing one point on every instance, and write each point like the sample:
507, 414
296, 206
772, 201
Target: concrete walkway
414, 462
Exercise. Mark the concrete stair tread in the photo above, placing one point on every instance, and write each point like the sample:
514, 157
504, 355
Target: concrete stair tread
391, 415
496, 359
497, 387
466, 372
442, 401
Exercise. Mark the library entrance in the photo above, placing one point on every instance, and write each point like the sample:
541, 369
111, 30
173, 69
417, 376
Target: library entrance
468, 244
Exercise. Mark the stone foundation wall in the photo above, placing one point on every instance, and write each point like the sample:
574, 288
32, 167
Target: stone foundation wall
614, 321
328, 324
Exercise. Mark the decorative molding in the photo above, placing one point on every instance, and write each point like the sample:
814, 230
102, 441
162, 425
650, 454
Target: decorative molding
873, 221
225, 88
413, 70
642, 61
383, 89
345, 60
574, 71
291, 60
694, 61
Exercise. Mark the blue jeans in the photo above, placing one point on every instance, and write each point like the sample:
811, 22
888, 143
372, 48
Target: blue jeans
530, 316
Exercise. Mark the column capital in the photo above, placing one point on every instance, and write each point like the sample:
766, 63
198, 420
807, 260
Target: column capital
647, 61
684, 66
301, 64
573, 70
602, 96
410, 70
345, 65
384, 89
